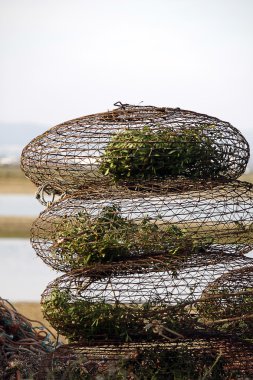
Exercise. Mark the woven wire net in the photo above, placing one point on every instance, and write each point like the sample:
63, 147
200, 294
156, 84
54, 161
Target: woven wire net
124, 301
152, 239
86, 228
131, 144
232, 302
215, 359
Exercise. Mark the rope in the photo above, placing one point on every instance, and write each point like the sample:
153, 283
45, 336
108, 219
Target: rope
121, 105
40, 195
21, 343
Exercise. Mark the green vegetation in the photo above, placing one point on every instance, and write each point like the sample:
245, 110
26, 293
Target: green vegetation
145, 153
83, 239
228, 311
153, 364
86, 320
148, 364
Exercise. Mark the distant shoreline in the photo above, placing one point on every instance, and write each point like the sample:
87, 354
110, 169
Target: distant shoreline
247, 177
13, 181
15, 226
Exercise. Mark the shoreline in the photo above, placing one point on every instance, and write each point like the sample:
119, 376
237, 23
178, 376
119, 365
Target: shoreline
15, 226
32, 310
13, 181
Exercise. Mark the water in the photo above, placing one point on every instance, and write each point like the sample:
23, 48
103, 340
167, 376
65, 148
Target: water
19, 205
23, 276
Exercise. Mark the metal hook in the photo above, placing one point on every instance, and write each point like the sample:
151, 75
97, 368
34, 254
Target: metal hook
121, 105
40, 195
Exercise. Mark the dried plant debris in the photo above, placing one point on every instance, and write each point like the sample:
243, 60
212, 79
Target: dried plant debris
188, 359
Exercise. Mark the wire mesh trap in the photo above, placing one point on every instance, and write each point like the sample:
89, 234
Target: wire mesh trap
119, 301
22, 345
131, 144
86, 228
152, 237
214, 359
232, 302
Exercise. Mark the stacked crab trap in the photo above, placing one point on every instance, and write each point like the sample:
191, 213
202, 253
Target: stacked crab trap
152, 229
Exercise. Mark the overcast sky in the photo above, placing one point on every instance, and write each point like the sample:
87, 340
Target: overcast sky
61, 59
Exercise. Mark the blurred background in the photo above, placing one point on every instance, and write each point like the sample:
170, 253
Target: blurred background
62, 59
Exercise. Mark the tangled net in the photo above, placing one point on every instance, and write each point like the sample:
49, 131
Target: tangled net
213, 359
113, 226
131, 144
22, 346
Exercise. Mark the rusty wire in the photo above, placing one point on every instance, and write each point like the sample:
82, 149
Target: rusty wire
123, 300
154, 251
213, 358
231, 309
68, 157
217, 218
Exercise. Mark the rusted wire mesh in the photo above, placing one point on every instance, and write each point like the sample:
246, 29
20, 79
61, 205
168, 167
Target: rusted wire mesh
22, 345
152, 237
232, 302
131, 144
215, 359
87, 228
119, 302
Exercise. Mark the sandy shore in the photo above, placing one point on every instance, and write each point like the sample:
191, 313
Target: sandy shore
13, 181
17, 187
15, 226
32, 311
